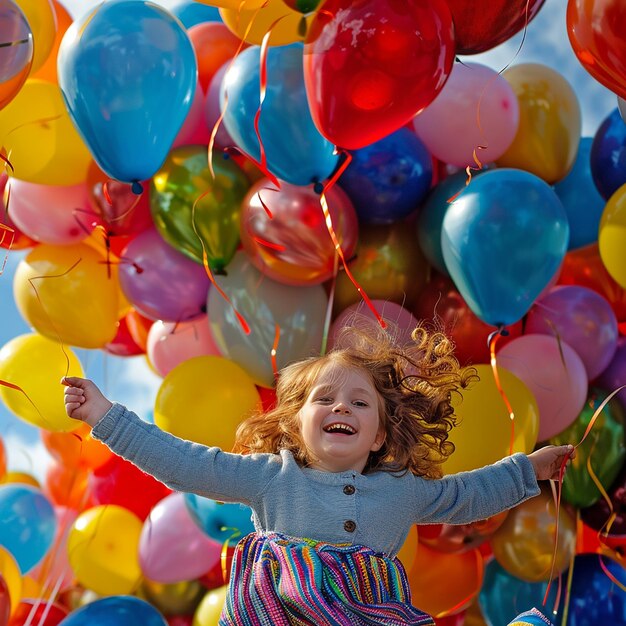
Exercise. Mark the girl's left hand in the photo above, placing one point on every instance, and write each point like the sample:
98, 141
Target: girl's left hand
547, 461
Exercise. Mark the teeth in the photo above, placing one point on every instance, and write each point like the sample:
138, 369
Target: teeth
339, 427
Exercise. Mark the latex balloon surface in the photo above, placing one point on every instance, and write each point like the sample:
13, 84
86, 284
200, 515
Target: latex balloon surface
117, 610
612, 235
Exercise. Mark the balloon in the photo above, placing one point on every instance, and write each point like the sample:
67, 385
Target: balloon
174, 599
481, 411
387, 180
604, 447
621, 105
211, 417
473, 120
3, 460
160, 282
213, 110
16, 59
184, 195
40, 611
482, 231
5, 602
172, 548
68, 294
251, 23
67, 486
304, 6
41, 17
364, 81
597, 41
170, 344
123, 343
504, 596
284, 115
147, 74
580, 198
582, 319
48, 71
243, 5
102, 548
388, 265
27, 524
612, 235
190, 12
119, 482
287, 319
550, 122
12, 577
608, 155
22, 478
51, 214
194, 129
614, 374
210, 609
221, 521
285, 234
61, 157
139, 327
119, 610
36, 365
408, 552
483, 24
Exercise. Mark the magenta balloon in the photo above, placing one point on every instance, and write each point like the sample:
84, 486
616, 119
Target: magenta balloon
555, 375
614, 375
583, 319
160, 282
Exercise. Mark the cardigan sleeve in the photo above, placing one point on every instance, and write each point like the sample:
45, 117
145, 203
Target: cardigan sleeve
184, 465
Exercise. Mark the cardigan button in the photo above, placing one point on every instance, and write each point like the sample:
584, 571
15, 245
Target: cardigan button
349, 490
349, 526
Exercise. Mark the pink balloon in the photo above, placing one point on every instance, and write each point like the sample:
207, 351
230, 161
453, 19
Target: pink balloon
477, 110
194, 131
172, 548
583, 319
51, 214
401, 322
559, 383
170, 344
212, 110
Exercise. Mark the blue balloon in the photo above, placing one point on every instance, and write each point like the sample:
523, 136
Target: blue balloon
115, 611
295, 150
128, 72
581, 199
608, 155
388, 179
220, 521
190, 13
503, 239
27, 524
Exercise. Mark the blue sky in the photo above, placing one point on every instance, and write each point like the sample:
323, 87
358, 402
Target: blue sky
130, 381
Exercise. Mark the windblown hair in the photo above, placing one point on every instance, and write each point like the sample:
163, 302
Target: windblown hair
415, 384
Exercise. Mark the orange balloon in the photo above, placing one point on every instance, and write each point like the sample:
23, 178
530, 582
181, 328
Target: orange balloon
442, 584
48, 71
3, 460
77, 448
139, 327
67, 486
408, 551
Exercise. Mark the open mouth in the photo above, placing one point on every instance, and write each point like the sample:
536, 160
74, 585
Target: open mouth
340, 428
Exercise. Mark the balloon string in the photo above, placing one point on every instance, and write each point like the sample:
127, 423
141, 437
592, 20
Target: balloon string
5, 228
6, 383
492, 341
224, 552
274, 351
329, 307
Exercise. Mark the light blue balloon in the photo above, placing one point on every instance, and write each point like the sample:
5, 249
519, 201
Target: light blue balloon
27, 524
191, 13
128, 72
115, 611
220, 521
502, 240
295, 150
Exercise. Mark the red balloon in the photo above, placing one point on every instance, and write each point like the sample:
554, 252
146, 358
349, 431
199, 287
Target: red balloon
123, 343
138, 327
5, 602
458, 619
483, 24
180, 620
370, 66
55, 613
596, 32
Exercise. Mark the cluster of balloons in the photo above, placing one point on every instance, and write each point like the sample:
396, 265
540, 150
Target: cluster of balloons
163, 175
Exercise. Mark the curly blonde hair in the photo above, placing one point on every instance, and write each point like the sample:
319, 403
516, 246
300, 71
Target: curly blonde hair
415, 384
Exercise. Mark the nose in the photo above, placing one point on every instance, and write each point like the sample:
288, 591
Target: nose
341, 409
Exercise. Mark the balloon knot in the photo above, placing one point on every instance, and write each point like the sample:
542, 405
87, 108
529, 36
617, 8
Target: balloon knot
136, 188
318, 187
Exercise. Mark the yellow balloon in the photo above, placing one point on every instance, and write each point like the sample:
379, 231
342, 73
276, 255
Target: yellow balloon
242, 5
10, 572
30, 588
39, 138
36, 365
21, 478
408, 551
66, 294
218, 396
209, 610
287, 25
483, 433
612, 236
103, 550
550, 122
43, 22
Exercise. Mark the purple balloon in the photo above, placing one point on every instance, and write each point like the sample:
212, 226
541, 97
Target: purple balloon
614, 376
581, 318
160, 282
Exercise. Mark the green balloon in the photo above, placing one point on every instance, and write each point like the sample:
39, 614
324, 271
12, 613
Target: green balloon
604, 444
184, 179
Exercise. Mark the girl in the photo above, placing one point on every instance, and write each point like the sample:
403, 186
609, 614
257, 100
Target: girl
336, 474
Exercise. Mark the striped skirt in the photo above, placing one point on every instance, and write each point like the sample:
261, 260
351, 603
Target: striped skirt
281, 581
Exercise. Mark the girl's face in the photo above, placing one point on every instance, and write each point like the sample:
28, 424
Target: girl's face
340, 421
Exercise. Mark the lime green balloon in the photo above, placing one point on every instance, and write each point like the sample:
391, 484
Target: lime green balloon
185, 179
604, 445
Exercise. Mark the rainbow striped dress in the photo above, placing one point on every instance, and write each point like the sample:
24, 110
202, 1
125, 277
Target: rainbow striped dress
281, 581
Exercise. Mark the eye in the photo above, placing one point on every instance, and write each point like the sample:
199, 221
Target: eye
360, 403
324, 399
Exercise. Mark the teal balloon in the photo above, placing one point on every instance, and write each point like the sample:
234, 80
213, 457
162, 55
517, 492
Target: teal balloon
27, 524
128, 71
503, 239
295, 150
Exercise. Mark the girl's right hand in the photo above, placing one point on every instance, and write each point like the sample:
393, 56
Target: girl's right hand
84, 401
